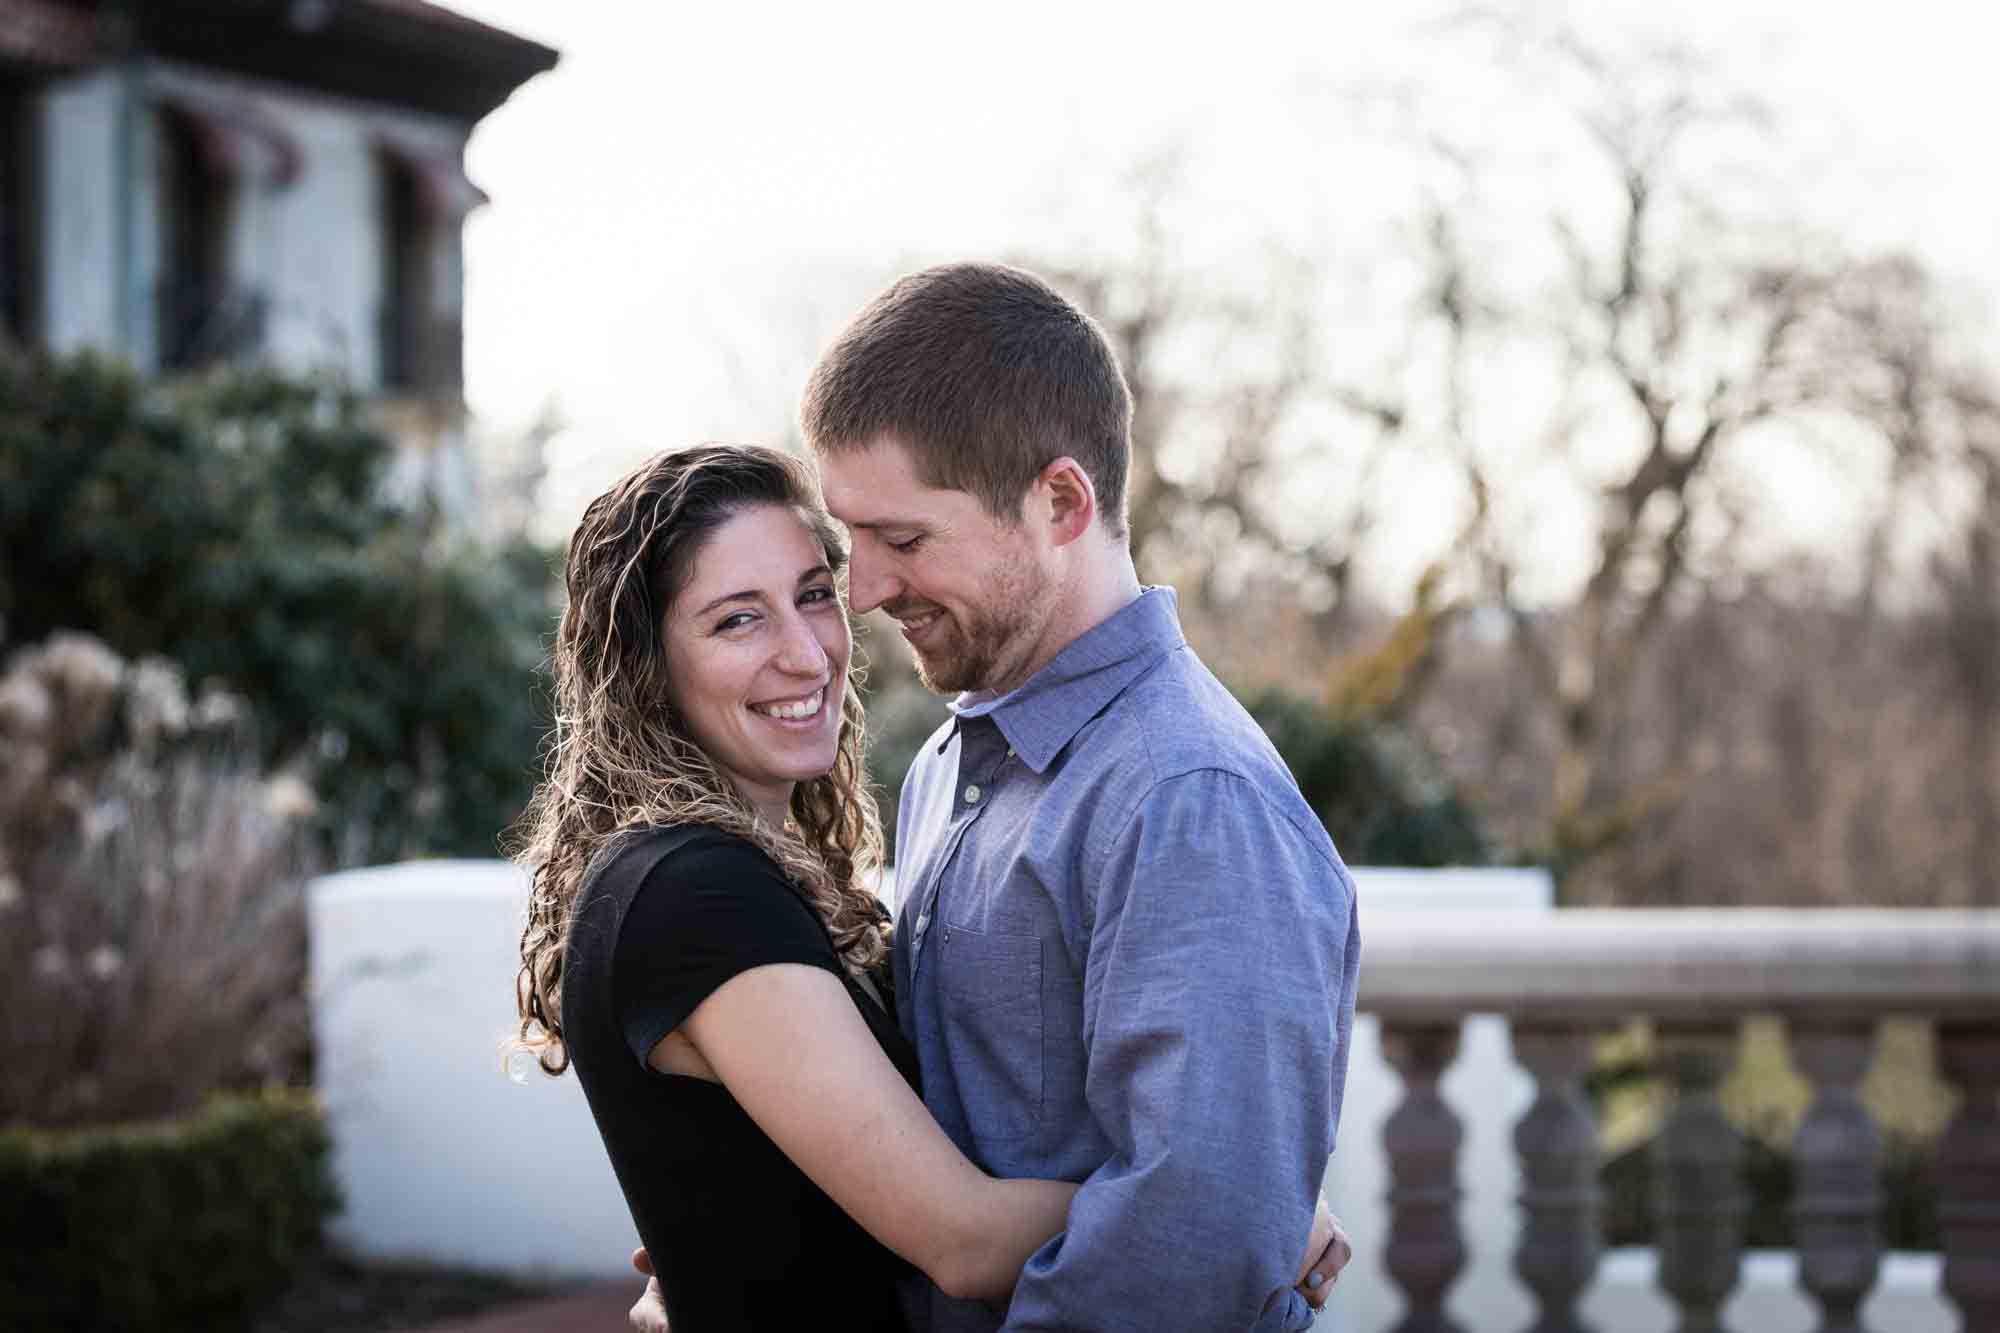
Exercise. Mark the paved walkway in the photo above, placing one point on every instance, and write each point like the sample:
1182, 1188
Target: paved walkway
594, 1309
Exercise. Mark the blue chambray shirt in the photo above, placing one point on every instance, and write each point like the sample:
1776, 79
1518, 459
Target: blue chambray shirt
1126, 954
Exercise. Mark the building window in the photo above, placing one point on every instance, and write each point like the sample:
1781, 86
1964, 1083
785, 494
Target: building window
20, 270
196, 322
424, 197
408, 253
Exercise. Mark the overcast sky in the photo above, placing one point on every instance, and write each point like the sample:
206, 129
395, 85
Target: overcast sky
697, 195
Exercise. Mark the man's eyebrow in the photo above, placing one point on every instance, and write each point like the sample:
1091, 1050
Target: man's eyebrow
752, 595
876, 524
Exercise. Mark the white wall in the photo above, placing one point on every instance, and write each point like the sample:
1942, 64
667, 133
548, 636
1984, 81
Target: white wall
443, 1157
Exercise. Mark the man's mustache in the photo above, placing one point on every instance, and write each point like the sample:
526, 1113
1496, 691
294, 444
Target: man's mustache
909, 610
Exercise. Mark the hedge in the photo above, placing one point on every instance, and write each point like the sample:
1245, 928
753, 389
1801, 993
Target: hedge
1904, 1173
191, 1223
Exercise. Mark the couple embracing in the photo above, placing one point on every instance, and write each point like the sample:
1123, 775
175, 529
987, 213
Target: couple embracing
1089, 1076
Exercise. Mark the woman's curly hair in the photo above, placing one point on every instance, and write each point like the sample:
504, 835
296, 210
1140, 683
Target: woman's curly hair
618, 759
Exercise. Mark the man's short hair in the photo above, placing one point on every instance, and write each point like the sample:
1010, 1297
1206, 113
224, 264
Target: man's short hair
987, 375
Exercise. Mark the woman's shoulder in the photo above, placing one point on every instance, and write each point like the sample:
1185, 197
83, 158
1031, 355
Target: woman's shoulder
633, 856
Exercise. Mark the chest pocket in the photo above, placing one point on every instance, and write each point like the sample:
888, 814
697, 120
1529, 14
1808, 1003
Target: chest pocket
990, 986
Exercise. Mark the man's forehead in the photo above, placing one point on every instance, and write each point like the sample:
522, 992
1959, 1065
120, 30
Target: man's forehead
876, 485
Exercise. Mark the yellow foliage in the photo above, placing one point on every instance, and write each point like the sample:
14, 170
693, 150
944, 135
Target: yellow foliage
1375, 683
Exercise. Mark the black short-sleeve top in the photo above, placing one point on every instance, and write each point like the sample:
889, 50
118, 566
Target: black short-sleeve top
740, 1237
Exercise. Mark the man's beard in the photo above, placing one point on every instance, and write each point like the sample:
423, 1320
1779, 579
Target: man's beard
980, 645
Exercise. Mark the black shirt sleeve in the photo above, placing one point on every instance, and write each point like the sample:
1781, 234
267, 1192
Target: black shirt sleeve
706, 911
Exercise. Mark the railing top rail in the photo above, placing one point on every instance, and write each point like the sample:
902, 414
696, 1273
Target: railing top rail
1600, 965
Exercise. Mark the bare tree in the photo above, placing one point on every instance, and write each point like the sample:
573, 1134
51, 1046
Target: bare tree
1684, 338
1232, 407
1665, 355
1968, 579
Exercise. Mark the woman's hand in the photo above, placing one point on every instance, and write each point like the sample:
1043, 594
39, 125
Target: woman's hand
1327, 1252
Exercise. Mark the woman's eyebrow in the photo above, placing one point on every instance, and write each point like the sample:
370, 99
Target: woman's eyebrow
747, 595
752, 595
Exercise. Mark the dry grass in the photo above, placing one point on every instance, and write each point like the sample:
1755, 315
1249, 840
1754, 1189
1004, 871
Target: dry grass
152, 942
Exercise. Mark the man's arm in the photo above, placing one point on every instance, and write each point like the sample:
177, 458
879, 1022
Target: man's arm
1219, 941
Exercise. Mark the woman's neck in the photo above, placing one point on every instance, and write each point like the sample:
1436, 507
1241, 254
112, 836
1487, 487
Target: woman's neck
773, 808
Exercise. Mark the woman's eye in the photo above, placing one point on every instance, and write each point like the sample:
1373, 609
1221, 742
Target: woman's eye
737, 621
815, 596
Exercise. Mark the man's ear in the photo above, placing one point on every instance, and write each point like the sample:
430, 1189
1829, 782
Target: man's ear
1065, 500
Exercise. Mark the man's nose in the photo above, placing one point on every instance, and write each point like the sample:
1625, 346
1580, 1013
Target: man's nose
868, 581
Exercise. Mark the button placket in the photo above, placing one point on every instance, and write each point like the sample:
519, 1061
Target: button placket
968, 810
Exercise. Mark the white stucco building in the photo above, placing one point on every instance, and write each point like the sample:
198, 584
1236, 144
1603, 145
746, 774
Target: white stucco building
185, 182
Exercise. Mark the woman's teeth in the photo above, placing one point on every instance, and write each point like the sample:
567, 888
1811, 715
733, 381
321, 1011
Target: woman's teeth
797, 710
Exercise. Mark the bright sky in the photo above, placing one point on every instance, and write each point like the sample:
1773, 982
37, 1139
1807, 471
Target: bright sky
700, 194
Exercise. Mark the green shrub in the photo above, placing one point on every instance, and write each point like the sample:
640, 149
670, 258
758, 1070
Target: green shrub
1371, 789
190, 1223
1904, 1173
1765, 1098
242, 525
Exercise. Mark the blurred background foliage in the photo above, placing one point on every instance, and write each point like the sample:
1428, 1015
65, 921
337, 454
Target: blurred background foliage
1543, 484
243, 525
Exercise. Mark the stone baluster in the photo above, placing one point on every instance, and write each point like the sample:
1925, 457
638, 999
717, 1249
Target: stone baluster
1837, 1202
1557, 1143
1968, 1173
1425, 1250
1698, 1197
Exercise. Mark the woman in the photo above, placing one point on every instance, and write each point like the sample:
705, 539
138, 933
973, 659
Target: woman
701, 941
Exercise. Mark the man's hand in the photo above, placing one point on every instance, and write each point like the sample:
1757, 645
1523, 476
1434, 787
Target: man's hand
1327, 1252
649, 1313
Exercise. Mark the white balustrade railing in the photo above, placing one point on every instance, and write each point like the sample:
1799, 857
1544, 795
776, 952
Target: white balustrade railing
413, 972
1562, 979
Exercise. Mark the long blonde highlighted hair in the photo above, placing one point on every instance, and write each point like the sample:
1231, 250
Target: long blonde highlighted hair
619, 758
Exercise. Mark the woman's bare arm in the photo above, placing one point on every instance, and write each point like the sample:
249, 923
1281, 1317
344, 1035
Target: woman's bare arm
786, 1041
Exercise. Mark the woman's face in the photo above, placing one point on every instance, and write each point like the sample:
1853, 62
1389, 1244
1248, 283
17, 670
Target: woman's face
757, 646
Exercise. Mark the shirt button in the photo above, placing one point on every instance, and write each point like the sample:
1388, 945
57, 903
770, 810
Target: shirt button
972, 794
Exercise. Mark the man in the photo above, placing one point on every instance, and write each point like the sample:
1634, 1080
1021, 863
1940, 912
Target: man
1125, 948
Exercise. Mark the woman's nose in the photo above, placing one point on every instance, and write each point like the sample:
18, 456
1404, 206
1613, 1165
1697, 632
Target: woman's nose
800, 652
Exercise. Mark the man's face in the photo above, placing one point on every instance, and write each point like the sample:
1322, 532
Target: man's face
968, 589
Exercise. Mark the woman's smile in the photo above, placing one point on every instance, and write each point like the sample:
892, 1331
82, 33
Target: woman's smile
804, 709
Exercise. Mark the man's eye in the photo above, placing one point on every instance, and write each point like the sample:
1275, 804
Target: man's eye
908, 545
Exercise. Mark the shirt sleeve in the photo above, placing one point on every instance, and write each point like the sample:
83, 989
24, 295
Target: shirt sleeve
706, 912
1218, 994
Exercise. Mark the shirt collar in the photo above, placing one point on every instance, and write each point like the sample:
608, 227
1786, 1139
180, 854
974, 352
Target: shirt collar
1047, 711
